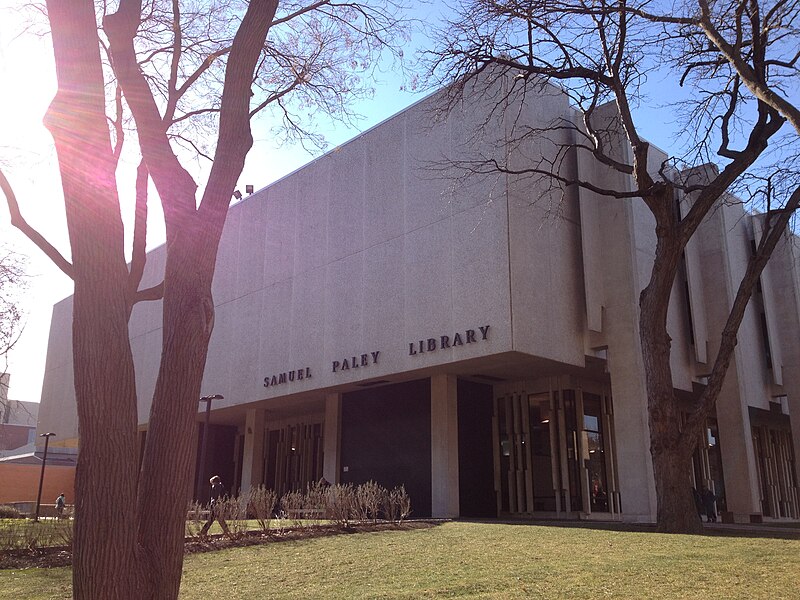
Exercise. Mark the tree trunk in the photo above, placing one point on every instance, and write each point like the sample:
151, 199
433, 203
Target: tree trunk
105, 480
167, 465
676, 511
104, 564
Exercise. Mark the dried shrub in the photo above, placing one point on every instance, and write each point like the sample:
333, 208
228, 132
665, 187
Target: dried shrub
292, 504
195, 519
315, 503
397, 505
11, 535
369, 500
261, 504
9, 512
234, 512
61, 534
23, 534
281, 522
340, 501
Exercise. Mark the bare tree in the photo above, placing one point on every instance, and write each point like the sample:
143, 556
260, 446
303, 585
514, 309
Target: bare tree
12, 285
740, 58
13, 282
174, 72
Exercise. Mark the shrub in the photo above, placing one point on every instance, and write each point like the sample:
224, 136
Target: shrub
315, 503
11, 535
195, 519
261, 504
23, 534
61, 532
281, 522
9, 512
234, 512
292, 504
369, 501
397, 505
340, 501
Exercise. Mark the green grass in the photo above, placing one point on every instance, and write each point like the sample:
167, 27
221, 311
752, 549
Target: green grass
479, 560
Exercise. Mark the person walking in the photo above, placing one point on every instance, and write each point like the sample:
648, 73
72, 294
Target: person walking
61, 504
709, 502
215, 509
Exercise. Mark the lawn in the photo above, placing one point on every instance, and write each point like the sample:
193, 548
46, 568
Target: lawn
479, 560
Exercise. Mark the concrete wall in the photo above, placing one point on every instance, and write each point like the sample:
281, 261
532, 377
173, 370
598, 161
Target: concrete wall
783, 271
544, 231
57, 410
724, 244
362, 251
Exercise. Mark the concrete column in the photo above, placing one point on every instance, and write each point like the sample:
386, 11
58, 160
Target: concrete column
253, 457
626, 268
330, 437
742, 493
444, 446
632, 439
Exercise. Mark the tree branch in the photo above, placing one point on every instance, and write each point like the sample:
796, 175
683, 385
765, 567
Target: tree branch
149, 294
175, 186
20, 223
138, 253
235, 137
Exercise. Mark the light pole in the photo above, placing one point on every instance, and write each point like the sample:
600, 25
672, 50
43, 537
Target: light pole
46, 437
204, 447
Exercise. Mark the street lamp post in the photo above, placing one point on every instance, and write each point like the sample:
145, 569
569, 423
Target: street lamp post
46, 437
204, 447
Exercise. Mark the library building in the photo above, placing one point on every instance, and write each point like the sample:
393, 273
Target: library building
475, 339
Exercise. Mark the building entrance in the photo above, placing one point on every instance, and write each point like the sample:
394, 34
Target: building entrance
554, 451
776, 475
293, 457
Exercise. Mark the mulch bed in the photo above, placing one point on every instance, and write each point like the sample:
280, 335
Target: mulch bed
62, 556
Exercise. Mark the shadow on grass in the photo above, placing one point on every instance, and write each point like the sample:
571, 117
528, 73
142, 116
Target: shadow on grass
787, 531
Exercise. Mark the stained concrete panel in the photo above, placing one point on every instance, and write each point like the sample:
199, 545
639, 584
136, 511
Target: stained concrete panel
251, 244
147, 364
311, 209
384, 296
279, 229
224, 284
345, 223
385, 183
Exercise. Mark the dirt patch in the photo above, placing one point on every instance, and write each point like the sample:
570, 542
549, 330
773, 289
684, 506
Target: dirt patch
42, 558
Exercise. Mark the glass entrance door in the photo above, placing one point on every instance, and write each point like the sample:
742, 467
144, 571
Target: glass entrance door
553, 453
293, 457
595, 452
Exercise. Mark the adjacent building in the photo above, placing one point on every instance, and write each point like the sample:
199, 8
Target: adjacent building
21, 461
17, 419
381, 316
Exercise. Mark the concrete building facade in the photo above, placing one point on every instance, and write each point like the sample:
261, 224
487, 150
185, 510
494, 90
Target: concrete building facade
379, 317
17, 419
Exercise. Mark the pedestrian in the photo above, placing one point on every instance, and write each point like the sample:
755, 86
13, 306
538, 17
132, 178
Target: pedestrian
709, 502
215, 507
61, 504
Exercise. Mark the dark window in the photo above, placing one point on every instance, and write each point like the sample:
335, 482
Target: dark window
765, 340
